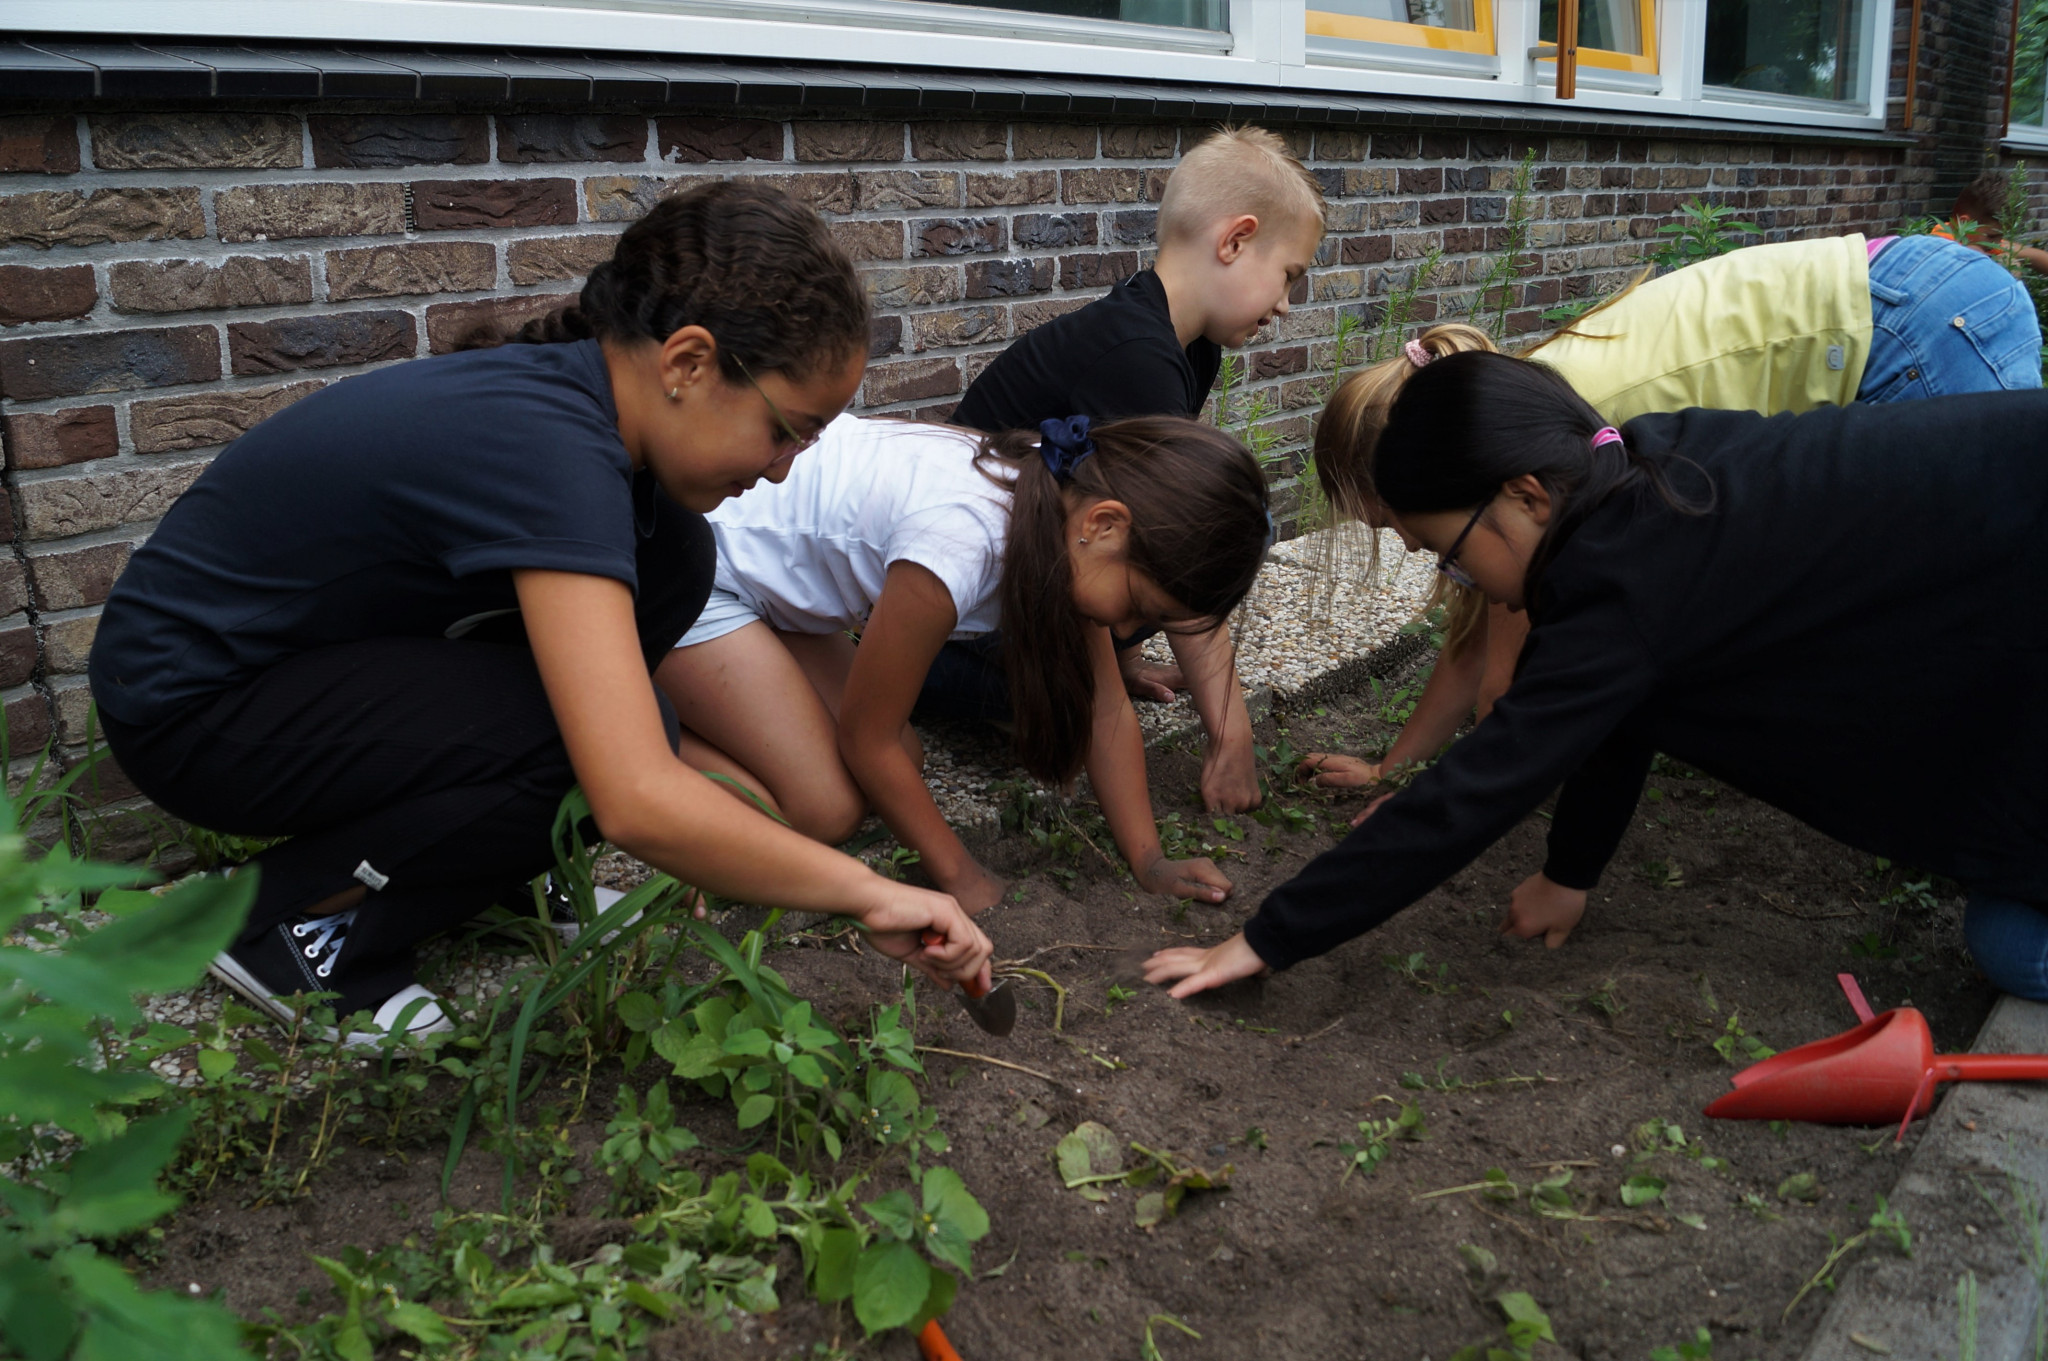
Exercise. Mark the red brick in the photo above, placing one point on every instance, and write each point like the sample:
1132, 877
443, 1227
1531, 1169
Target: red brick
699, 140
1097, 270
107, 361
951, 141
17, 655
442, 205
28, 725
52, 439
39, 144
191, 285
449, 324
66, 217
554, 138
544, 259
377, 141
209, 139
209, 418
910, 380
79, 577
414, 267
272, 212
45, 294
319, 342
849, 141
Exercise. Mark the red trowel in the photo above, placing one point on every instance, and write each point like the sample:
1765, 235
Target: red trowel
1883, 1070
993, 1009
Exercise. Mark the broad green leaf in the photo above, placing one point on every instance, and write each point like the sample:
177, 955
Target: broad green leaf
170, 945
832, 1274
638, 1012
937, 1301
34, 1318
958, 1221
890, 1283
1642, 1189
536, 1295
755, 1110
215, 1064
756, 1294
419, 1322
751, 1043
807, 1070
757, 1217
114, 1185
1151, 1209
655, 1303
1521, 1307
1090, 1151
894, 1212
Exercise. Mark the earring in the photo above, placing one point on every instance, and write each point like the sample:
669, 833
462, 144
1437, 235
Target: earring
672, 393
1080, 541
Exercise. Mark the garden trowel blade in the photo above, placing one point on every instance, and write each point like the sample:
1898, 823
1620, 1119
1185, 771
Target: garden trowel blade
995, 1011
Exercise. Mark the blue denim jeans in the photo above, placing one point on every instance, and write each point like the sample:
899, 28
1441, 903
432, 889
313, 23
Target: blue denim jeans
1946, 319
2010, 941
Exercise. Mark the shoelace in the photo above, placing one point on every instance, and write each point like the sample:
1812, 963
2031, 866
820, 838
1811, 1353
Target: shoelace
333, 935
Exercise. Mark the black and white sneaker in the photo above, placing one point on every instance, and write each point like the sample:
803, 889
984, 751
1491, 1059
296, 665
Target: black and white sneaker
562, 910
302, 957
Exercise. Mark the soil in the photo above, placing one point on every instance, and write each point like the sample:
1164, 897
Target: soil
1717, 909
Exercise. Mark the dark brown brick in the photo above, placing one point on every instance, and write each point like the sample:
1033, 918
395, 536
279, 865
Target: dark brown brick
451, 323
849, 141
955, 235
829, 191
899, 191
956, 326
1424, 179
1396, 145
1008, 278
1436, 212
1049, 231
39, 144
998, 191
45, 294
13, 585
1097, 270
1053, 141
1446, 146
17, 655
542, 259
67, 643
1274, 363
279, 212
444, 205
1026, 316
1340, 146
910, 380
1146, 142
885, 335
51, 439
377, 141
1103, 185
551, 138
209, 418
102, 498
77, 578
66, 217
190, 285
700, 140
414, 267
950, 141
107, 361
320, 342
628, 198
210, 140
1133, 226
28, 725
913, 285
871, 240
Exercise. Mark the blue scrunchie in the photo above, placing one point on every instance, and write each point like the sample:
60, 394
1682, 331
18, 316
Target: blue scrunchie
1063, 444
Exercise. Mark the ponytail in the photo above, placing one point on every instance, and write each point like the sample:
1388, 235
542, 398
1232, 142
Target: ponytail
1464, 426
1199, 530
747, 263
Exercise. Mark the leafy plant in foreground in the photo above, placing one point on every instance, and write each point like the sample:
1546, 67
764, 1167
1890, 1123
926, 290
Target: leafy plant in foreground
1376, 1138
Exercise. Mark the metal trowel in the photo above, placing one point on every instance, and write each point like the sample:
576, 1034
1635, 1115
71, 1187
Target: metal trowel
993, 1009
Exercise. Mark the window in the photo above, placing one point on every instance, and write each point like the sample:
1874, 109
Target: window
1438, 25
1792, 49
2030, 67
1209, 14
1617, 35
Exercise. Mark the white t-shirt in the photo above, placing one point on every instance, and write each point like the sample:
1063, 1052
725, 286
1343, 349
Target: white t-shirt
810, 554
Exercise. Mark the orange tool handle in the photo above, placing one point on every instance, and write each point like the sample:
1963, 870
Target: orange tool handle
933, 1346
974, 988
1991, 1067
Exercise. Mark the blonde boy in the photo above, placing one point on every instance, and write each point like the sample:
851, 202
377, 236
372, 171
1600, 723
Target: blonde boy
1239, 224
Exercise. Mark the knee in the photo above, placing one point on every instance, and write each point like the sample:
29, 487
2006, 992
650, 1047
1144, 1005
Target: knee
830, 819
2009, 941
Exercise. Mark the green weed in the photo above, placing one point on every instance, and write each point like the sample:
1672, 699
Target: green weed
1376, 1138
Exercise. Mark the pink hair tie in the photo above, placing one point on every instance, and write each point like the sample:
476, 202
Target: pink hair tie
1417, 353
1606, 434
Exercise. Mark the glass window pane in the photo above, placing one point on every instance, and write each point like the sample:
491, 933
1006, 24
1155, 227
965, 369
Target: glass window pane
1210, 14
1805, 49
1607, 25
1428, 13
2030, 66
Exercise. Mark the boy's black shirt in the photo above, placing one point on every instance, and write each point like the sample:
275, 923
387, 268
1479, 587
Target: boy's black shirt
1116, 357
1854, 634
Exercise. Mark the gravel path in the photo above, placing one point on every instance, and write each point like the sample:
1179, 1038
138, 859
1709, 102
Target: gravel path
1292, 632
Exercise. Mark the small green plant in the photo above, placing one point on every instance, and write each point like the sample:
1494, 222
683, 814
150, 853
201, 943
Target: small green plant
640, 1143
1605, 999
1527, 1325
1885, 1225
1664, 874
1089, 1158
1701, 1348
1376, 1138
1116, 996
1736, 1045
896, 864
1643, 1189
1149, 1349
1871, 945
1704, 231
1415, 968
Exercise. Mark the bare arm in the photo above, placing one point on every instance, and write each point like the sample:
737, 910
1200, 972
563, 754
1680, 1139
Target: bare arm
1116, 767
1230, 772
653, 806
909, 625
1447, 698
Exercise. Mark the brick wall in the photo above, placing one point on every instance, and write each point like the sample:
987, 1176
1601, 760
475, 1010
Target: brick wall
170, 278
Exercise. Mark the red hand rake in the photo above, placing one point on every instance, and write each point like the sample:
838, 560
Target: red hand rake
1883, 1070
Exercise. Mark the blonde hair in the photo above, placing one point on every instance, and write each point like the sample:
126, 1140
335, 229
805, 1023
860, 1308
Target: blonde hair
1347, 435
1238, 170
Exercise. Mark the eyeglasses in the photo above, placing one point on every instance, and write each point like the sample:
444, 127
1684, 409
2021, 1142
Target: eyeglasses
1448, 563
797, 442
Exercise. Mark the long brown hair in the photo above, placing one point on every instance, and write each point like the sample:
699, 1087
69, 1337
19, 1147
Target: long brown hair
746, 262
1199, 530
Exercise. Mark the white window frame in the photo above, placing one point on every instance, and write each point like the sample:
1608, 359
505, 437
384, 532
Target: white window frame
1266, 46
2023, 137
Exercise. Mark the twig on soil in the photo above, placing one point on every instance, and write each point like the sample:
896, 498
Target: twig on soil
1304, 1039
1566, 1162
1114, 867
1777, 906
1059, 1005
983, 1058
1048, 949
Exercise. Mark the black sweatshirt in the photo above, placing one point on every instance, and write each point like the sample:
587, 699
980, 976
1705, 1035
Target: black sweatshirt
1855, 634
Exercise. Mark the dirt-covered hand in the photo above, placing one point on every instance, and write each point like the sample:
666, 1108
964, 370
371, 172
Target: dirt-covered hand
1198, 879
1372, 808
1153, 681
1198, 970
1230, 777
1329, 770
900, 914
1542, 907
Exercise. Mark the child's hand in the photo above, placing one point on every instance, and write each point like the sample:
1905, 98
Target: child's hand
1329, 770
1541, 907
1198, 879
1371, 808
1230, 777
1199, 970
975, 888
900, 915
